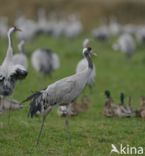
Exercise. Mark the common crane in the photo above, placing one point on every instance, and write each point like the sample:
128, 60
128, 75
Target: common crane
45, 61
62, 92
21, 58
9, 72
82, 65
125, 44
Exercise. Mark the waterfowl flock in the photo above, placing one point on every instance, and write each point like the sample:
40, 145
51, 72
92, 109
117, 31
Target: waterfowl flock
122, 109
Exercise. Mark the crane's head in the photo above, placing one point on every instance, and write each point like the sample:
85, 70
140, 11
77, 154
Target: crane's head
13, 29
88, 52
16, 29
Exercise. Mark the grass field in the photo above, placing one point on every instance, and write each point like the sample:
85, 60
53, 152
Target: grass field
92, 134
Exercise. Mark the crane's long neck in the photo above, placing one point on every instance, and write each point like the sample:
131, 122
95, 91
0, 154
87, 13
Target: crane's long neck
9, 50
90, 64
21, 48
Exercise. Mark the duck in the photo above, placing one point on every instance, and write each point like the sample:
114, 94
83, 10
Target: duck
75, 107
125, 110
108, 110
141, 111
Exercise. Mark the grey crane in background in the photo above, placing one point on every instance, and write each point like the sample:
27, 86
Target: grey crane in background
21, 57
45, 61
125, 44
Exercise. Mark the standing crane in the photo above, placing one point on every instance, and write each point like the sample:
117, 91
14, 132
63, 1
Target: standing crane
62, 92
125, 44
45, 61
21, 58
10, 72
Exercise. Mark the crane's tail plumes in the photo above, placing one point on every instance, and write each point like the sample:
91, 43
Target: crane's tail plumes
107, 93
35, 105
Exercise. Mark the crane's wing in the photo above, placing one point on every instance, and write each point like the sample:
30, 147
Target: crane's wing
56, 93
60, 92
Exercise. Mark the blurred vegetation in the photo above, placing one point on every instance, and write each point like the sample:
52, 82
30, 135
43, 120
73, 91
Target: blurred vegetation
91, 12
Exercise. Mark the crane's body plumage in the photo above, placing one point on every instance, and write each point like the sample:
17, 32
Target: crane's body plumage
61, 92
82, 65
67, 89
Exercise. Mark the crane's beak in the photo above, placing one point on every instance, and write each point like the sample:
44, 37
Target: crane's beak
93, 53
17, 29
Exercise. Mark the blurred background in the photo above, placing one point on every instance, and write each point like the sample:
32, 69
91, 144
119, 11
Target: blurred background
90, 12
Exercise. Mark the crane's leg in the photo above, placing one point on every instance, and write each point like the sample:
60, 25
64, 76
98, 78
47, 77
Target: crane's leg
41, 128
9, 114
66, 124
42, 125
91, 89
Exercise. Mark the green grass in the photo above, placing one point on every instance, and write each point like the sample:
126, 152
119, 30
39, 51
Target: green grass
92, 134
